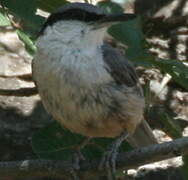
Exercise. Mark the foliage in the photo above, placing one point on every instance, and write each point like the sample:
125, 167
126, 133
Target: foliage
54, 142
29, 45
4, 21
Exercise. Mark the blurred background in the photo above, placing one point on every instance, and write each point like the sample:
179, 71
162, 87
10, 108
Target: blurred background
156, 42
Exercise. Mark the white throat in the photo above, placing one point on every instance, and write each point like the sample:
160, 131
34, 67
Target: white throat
75, 33
72, 46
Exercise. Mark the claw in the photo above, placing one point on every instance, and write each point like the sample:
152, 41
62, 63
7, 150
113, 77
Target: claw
74, 174
76, 158
108, 161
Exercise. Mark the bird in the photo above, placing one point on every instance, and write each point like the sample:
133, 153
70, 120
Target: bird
88, 86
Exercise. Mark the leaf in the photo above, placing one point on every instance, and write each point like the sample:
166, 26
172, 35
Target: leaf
124, 2
49, 5
170, 125
175, 68
130, 34
54, 142
24, 12
4, 21
110, 7
29, 45
184, 168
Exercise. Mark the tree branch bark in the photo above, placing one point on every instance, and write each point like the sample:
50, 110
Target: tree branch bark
23, 77
126, 160
21, 92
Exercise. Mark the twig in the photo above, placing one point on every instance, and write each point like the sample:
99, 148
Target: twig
19, 92
166, 26
126, 160
23, 77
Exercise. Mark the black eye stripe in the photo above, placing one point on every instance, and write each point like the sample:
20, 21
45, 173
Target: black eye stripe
72, 14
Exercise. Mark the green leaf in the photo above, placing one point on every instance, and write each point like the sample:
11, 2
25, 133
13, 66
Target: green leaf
54, 142
184, 168
170, 125
175, 68
4, 21
49, 5
110, 7
24, 12
130, 34
123, 2
29, 45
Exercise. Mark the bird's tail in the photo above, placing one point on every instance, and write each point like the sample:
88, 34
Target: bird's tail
143, 136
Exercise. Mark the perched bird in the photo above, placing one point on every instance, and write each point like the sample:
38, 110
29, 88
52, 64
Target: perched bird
89, 87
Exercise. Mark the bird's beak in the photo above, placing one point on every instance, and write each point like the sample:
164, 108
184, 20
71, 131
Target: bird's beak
112, 19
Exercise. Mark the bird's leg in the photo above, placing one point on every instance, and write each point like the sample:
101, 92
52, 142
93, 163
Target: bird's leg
109, 158
77, 155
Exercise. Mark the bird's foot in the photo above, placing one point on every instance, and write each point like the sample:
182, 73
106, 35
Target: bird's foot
108, 161
77, 157
75, 164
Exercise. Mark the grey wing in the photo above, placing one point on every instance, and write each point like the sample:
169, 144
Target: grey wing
124, 74
119, 67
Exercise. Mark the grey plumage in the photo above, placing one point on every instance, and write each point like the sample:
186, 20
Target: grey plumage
124, 74
120, 69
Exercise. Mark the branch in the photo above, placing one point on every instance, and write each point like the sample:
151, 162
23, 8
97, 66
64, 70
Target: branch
24, 77
19, 92
126, 160
148, 7
165, 26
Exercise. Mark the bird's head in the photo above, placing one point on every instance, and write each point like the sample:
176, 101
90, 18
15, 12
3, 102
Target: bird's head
81, 23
